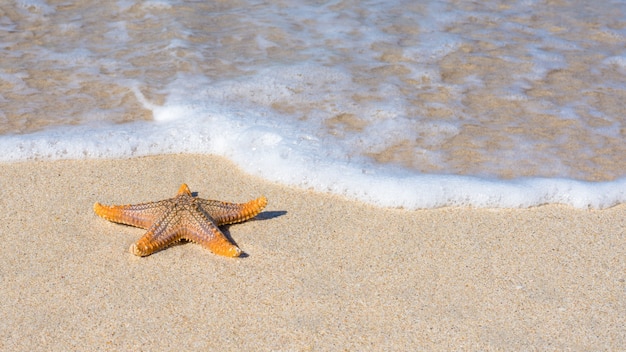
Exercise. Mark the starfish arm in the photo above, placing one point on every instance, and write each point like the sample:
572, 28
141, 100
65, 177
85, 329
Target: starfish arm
138, 215
228, 213
202, 230
210, 237
162, 233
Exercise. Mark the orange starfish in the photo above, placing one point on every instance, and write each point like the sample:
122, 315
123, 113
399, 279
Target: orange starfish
182, 217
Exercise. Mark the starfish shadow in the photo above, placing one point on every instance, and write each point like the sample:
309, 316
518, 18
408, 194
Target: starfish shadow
266, 215
225, 230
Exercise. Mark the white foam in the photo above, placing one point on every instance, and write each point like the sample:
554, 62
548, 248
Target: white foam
38, 7
617, 60
279, 155
156, 4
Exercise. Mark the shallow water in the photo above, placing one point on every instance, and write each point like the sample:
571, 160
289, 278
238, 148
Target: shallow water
375, 100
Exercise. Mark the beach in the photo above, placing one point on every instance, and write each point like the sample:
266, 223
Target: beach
320, 273
440, 175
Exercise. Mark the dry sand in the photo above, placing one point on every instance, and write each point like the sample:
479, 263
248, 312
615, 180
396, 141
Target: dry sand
322, 272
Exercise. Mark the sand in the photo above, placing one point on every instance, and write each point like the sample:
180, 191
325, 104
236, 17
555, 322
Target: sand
321, 272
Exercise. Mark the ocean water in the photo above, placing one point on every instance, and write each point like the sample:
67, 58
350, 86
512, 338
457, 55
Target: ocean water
405, 103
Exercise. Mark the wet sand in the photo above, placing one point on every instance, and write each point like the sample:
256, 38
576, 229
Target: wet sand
321, 272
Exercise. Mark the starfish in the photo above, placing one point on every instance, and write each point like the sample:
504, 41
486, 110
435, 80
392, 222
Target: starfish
182, 217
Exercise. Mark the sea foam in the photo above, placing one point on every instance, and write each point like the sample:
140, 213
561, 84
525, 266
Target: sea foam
294, 158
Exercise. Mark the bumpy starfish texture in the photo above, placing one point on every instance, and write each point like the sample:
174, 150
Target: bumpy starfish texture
182, 217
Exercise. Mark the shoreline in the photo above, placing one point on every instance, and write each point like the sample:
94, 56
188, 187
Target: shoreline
321, 272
